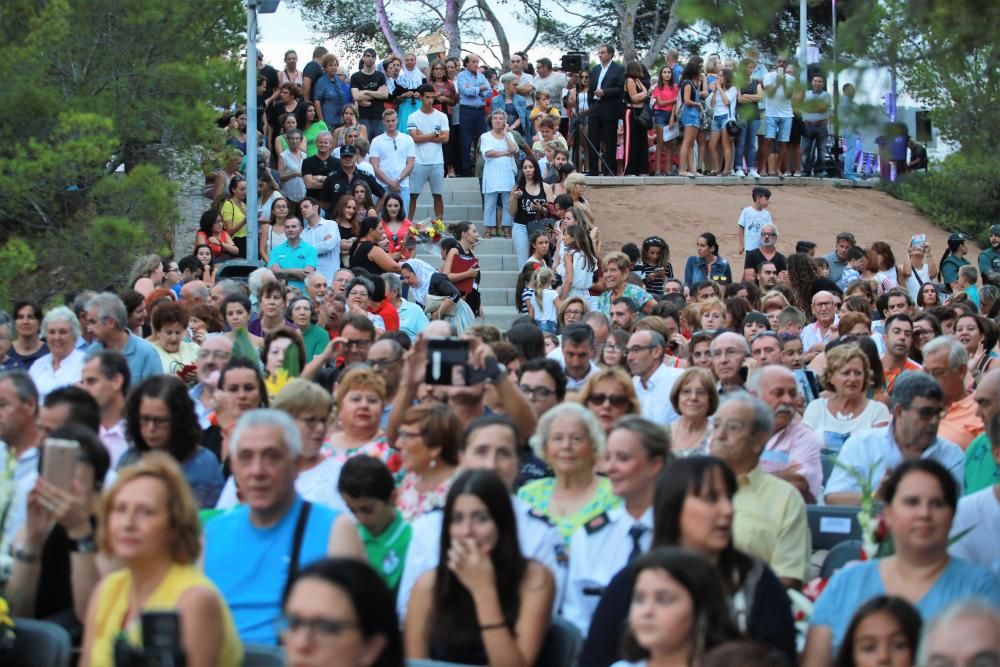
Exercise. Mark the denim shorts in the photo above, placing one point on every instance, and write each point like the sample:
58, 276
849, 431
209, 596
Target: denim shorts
779, 128
661, 118
691, 117
719, 122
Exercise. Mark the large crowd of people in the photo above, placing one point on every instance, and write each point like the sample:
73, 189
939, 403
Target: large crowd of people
335, 455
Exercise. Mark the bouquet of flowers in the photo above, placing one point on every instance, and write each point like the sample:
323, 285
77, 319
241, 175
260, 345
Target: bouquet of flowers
430, 230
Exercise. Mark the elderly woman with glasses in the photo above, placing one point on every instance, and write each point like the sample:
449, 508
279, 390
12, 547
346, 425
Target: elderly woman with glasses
609, 395
695, 398
570, 440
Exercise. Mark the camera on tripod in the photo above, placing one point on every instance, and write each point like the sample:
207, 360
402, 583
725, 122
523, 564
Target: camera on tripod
573, 62
161, 643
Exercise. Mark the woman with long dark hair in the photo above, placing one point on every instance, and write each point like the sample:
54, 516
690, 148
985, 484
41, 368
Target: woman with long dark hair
527, 204
212, 232
348, 614
689, 109
693, 509
636, 134
485, 603
160, 416
460, 263
708, 264
952, 260
805, 280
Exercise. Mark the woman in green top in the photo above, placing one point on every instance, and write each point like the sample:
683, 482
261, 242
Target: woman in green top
569, 439
302, 314
953, 259
311, 127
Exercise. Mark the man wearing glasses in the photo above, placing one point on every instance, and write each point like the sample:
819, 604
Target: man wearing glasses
652, 380
543, 383
815, 336
765, 253
386, 358
213, 356
917, 410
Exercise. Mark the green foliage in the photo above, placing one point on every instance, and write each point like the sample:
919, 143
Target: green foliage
88, 87
354, 24
963, 195
16, 259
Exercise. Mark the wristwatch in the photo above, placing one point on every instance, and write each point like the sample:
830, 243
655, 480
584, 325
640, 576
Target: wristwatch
500, 375
85, 545
25, 556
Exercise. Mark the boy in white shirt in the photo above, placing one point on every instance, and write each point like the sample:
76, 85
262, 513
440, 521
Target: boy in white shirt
753, 218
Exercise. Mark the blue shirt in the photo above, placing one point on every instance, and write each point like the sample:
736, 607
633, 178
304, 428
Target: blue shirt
299, 257
143, 361
332, 96
876, 450
470, 93
249, 565
859, 582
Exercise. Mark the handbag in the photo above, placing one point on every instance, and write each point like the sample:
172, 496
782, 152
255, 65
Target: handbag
734, 127
643, 116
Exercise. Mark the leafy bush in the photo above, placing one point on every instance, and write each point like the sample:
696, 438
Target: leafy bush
962, 196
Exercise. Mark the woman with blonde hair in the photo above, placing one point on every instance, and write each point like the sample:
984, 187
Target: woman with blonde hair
771, 304
572, 310
711, 315
848, 375
570, 439
146, 274
359, 402
148, 521
609, 395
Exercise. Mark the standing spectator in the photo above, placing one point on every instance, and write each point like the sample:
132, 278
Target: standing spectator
294, 259
513, 104
293, 186
778, 93
498, 149
989, 259
952, 260
553, 83
407, 93
392, 156
428, 127
64, 362
748, 113
850, 129
918, 156
757, 261
332, 96
28, 346
604, 98
752, 220
473, 91
689, 110
291, 74
816, 105
707, 264
370, 90
636, 134
665, 116
723, 105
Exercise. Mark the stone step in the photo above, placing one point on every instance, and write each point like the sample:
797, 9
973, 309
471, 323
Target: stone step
498, 296
500, 316
484, 247
452, 197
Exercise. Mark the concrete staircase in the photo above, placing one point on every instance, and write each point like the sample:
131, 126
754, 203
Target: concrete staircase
497, 260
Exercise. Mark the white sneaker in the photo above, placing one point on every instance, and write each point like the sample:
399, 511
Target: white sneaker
754, 174
739, 173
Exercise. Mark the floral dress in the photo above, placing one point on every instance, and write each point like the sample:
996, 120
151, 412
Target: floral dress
538, 494
378, 447
412, 503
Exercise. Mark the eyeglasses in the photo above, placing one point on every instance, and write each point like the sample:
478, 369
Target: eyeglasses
927, 414
616, 400
537, 392
382, 364
824, 304
215, 354
150, 420
312, 422
407, 435
769, 235
327, 627
357, 344
636, 349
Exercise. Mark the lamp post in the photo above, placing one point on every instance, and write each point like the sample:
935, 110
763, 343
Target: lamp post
803, 44
253, 8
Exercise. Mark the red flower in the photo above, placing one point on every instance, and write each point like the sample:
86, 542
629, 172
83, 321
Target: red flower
394, 462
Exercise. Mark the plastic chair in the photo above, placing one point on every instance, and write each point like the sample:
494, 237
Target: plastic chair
839, 556
829, 525
562, 644
40, 644
237, 269
263, 655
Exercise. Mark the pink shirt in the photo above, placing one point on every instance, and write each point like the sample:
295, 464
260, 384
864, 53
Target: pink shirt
796, 443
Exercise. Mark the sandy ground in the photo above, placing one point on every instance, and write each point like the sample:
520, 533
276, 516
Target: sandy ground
679, 213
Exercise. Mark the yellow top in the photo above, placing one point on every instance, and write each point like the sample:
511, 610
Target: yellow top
770, 523
234, 215
112, 607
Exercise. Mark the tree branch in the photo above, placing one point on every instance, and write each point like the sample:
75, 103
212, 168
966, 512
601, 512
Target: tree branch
382, 16
488, 14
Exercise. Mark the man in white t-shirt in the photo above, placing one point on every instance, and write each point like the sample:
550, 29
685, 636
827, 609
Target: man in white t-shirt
428, 128
753, 218
392, 156
778, 93
552, 83
525, 82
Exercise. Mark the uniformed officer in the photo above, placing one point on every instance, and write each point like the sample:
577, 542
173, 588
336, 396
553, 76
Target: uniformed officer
637, 451
489, 442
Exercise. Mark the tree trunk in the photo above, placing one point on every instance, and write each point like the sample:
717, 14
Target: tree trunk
664, 35
501, 35
626, 28
383, 22
451, 31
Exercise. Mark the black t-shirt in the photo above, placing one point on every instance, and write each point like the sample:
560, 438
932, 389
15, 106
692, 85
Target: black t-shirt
317, 166
918, 154
359, 258
270, 78
312, 70
373, 81
275, 110
338, 184
755, 258
440, 286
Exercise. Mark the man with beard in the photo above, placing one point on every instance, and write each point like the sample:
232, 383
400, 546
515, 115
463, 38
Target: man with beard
767, 276
898, 338
765, 252
793, 450
917, 408
989, 259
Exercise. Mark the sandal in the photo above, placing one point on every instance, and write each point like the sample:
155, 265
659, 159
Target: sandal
506, 232
488, 233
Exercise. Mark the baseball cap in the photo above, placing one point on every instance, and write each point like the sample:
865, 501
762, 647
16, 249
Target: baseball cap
371, 51
956, 238
995, 229
348, 150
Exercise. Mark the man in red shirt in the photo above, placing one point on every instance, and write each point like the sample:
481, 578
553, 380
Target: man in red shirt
898, 342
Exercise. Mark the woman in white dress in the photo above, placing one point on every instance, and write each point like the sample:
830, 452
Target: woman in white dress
498, 149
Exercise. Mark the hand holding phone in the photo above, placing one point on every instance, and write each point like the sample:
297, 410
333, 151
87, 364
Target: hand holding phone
59, 459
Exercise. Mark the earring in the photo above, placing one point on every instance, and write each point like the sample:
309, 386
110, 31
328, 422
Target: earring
433, 463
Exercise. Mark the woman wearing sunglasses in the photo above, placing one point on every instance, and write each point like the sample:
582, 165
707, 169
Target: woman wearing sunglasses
571, 441
609, 395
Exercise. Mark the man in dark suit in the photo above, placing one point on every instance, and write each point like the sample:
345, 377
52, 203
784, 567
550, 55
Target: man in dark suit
606, 90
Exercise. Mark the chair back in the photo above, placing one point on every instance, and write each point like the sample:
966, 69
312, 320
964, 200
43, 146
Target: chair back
562, 645
830, 525
839, 556
263, 655
40, 644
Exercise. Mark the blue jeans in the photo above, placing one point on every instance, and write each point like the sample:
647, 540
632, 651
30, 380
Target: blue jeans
471, 126
851, 140
746, 145
490, 210
375, 127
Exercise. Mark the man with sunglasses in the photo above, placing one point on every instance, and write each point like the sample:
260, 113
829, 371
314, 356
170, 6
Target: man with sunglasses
917, 409
652, 380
